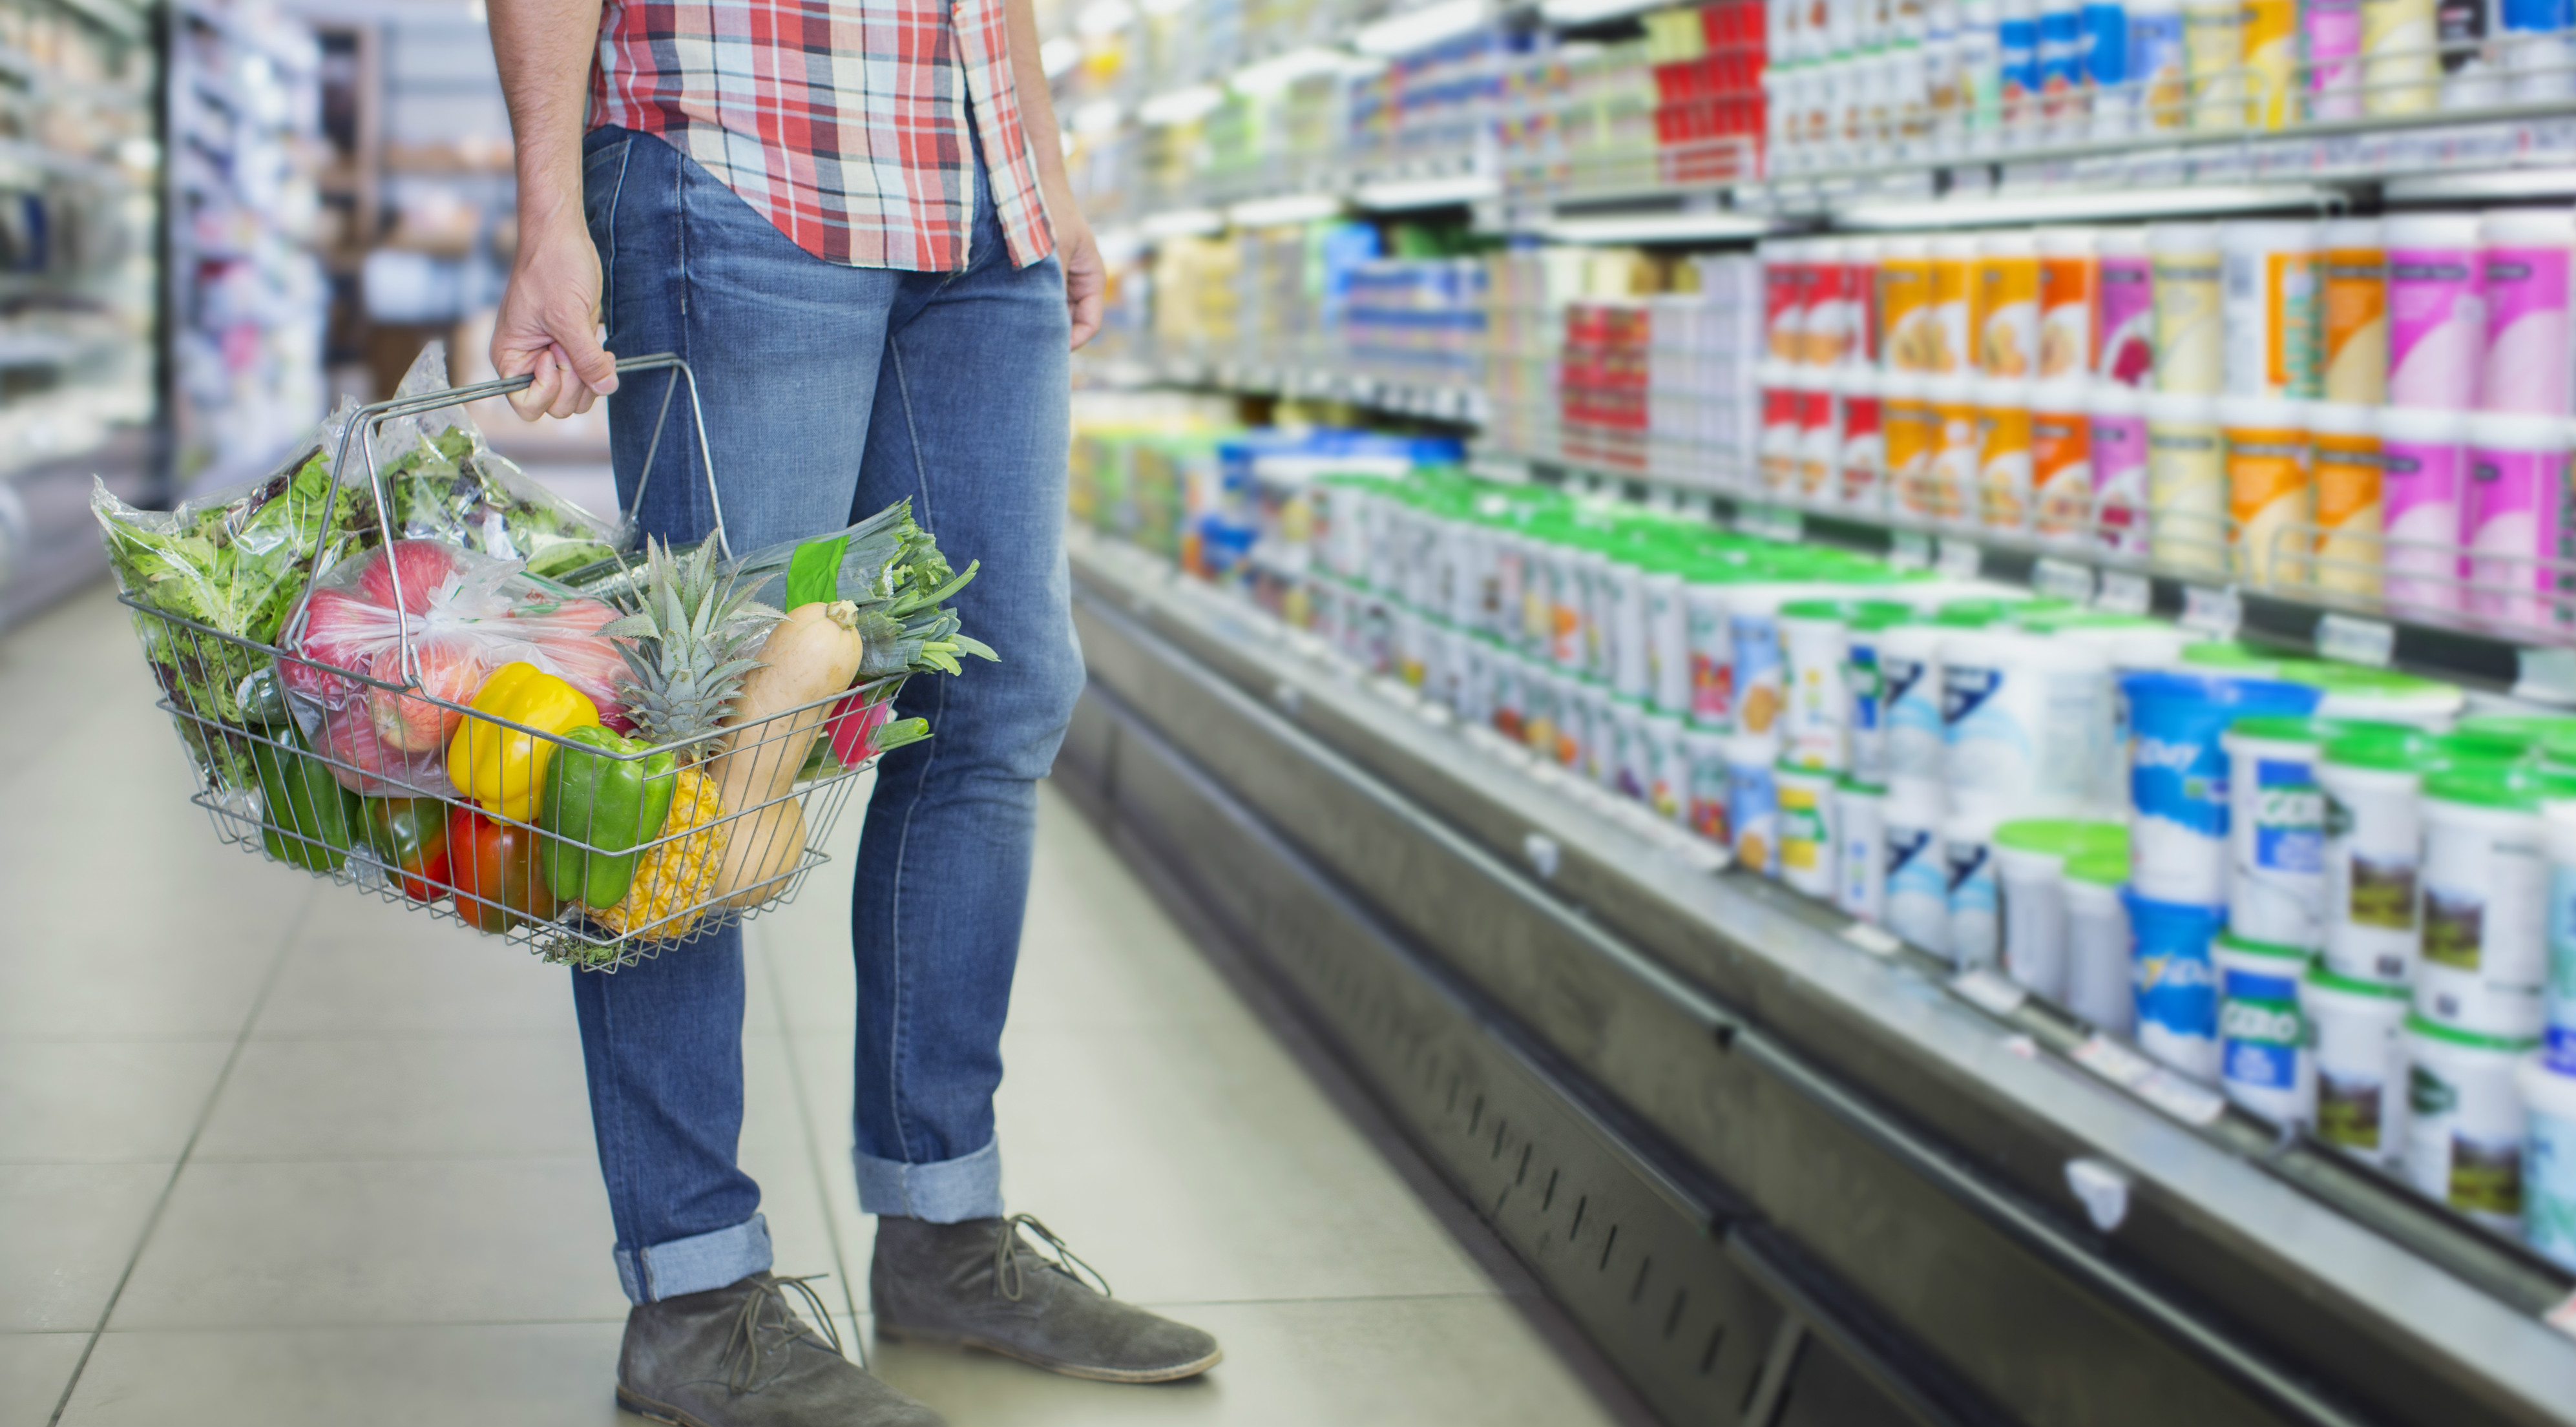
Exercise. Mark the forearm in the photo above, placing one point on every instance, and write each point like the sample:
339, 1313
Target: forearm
543, 49
1037, 105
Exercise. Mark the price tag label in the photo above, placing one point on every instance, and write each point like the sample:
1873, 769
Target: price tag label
2212, 611
2356, 641
1908, 550
2112, 1061
1960, 559
1979, 987
2124, 593
2192, 1104
2062, 580
1877, 941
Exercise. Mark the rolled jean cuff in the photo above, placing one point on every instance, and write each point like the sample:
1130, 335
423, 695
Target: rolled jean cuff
694, 1265
949, 1191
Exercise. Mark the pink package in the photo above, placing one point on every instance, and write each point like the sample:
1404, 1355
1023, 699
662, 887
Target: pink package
2510, 513
2436, 322
2523, 278
2127, 315
2334, 58
2419, 484
2119, 439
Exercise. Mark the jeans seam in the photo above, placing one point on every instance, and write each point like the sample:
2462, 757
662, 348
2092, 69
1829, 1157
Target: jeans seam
898, 1017
616, 194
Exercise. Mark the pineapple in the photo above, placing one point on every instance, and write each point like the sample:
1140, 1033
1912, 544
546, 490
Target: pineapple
687, 635
678, 876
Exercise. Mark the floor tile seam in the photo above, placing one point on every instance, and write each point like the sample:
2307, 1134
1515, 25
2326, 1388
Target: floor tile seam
238, 1327
805, 1119
205, 1113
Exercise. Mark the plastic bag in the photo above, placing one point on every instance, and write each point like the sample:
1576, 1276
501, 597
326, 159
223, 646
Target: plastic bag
387, 729
235, 561
446, 484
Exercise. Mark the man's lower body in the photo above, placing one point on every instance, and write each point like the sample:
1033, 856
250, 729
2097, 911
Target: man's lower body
829, 393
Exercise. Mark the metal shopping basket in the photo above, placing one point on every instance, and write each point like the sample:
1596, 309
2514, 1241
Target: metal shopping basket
501, 879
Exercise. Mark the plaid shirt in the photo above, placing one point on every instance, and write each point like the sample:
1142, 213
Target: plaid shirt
843, 120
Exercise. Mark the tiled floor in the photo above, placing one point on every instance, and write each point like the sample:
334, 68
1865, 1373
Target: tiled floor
331, 1163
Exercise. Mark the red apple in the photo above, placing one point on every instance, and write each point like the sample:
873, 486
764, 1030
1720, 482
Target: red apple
450, 669
423, 564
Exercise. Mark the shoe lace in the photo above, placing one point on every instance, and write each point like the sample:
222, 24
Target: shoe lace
744, 1349
1006, 1257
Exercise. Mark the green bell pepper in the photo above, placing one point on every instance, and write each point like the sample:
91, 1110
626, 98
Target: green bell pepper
598, 805
308, 820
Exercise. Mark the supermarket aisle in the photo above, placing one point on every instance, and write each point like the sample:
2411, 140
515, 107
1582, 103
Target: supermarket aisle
329, 1162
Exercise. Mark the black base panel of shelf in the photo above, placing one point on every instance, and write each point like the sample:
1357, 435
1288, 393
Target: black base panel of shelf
1715, 1319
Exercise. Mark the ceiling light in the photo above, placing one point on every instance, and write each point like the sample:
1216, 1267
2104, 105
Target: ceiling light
1658, 228
1180, 106
1421, 27
1283, 210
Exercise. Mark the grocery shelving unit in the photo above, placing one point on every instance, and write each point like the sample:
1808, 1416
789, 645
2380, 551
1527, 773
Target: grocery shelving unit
79, 280
246, 293
1779, 1166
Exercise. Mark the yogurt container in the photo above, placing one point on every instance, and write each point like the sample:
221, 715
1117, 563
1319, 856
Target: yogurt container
2126, 308
2262, 1040
1704, 756
1817, 701
2486, 887
2190, 326
1909, 664
1752, 803
2177, 984
2353, 693
1667, 766
2026, 719
2436, 321
2099, 986
1975, 895
2353, 318
2465, 1122
2269, 303
2270, 500
2374, 851
2178, 786
1860, 825
2187, 489
1624, 768
2512, 506
1808, 854
2031, 855
1865, 717
2276, 816
2343, 467
1917, 878
2116, 444
2549, 1160
2420, 474
2523, 279
2360, 1063
2559, 999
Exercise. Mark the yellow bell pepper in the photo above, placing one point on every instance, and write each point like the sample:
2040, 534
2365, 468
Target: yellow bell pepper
500, 767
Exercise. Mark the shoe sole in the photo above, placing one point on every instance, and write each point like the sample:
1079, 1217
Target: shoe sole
656, 1411
1093, 1374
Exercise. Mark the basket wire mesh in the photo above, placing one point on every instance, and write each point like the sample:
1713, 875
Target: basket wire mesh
715, 860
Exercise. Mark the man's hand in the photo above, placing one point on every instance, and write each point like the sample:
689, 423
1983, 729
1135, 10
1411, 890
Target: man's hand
549, 321
549, 327
1086, 277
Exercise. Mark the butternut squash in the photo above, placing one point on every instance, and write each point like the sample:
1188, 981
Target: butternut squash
811, 656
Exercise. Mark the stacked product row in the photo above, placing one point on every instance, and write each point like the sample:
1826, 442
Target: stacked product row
2325, 889
2375, 407
1874, 81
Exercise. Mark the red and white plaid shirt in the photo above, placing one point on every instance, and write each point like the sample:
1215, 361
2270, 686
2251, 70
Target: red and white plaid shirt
843, 120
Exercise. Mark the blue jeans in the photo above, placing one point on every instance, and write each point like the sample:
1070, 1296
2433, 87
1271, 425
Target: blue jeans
830, 393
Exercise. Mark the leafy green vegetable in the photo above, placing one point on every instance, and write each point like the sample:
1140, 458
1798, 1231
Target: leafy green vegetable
237, 565
814, 572
449, 487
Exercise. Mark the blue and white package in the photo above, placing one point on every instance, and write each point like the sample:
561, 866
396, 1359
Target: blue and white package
1976, 904
2105, 43
1909, 681
2178, 775
1866, 716
2177, 983
2558, 994
1753, 803
1918, 880
2549, 1161
2264, 1058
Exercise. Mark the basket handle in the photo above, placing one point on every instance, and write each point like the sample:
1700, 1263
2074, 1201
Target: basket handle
371, 418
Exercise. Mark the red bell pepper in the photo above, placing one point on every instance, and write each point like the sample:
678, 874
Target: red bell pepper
495, 866
409, 836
